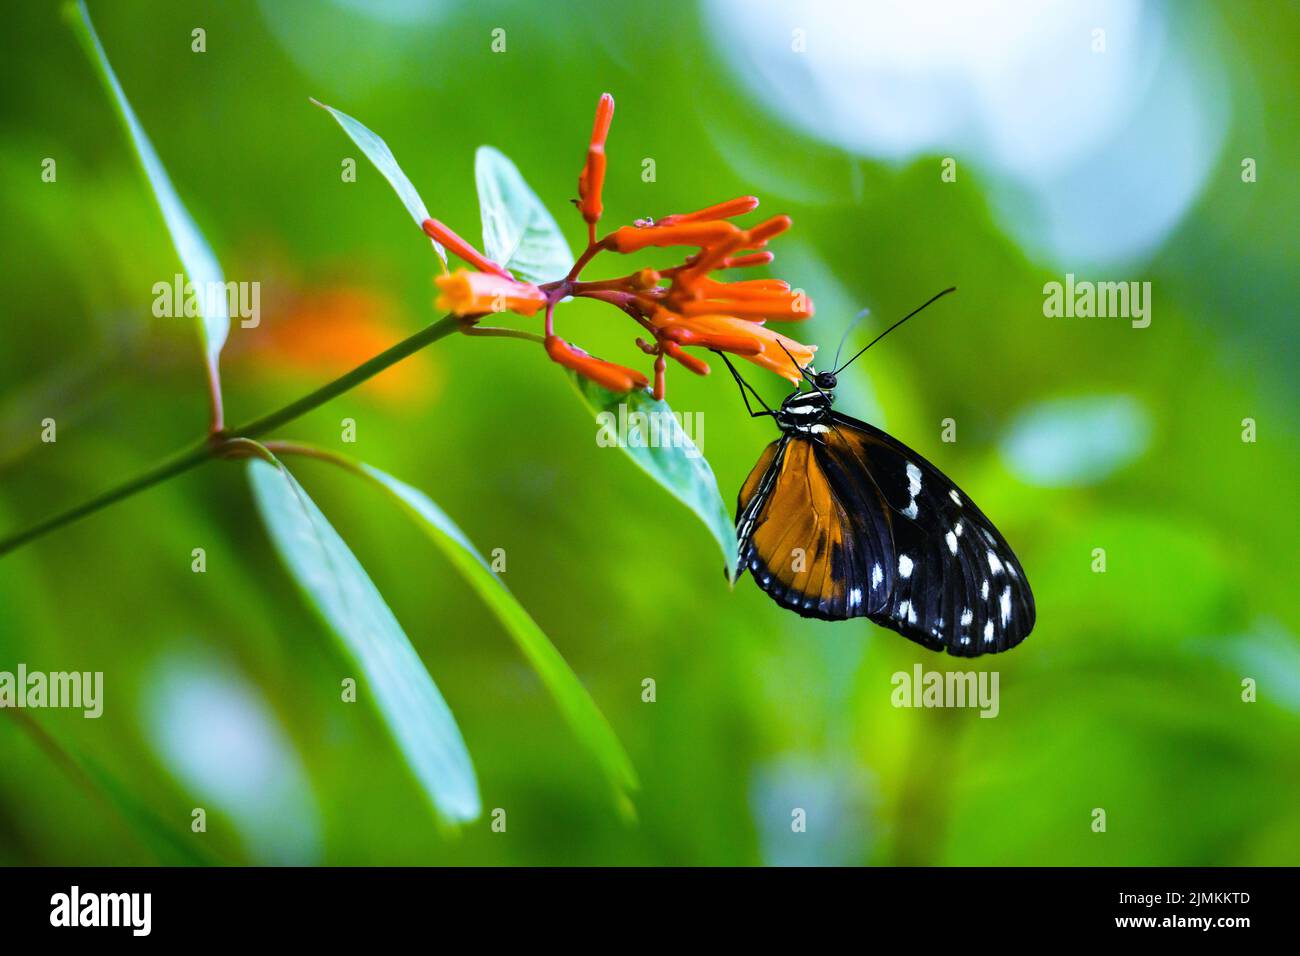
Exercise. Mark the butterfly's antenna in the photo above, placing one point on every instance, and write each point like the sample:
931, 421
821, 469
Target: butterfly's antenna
929, 301
803, 371
853, 324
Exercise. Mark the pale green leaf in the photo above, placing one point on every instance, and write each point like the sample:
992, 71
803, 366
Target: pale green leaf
393, 676
197, 260
381, 156
653, 436
518, 231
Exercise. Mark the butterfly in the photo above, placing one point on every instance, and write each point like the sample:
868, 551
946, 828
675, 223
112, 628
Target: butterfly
840, 520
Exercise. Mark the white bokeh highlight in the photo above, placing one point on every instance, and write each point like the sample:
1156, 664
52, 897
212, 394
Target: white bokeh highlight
218, 736
1090, 158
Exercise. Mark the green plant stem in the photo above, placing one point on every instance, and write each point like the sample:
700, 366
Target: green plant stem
407, 347
226, 441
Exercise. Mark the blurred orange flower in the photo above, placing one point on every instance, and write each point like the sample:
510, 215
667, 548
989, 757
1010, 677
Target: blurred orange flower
331, 331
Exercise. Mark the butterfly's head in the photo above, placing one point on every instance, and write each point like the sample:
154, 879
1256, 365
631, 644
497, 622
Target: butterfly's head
825, 381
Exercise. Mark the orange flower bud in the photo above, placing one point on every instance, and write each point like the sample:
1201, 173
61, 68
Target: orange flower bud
674, 350
604, 116
475, 293
735, 344
748, 287
706, 334
440, 232
766, 230
616, 378
591, 181
645, 279
723, 210
701, 234
710, 256
782, 308
754, 285
742, 262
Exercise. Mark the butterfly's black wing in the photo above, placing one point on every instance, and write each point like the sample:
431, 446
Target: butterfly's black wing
816, 550
953, 581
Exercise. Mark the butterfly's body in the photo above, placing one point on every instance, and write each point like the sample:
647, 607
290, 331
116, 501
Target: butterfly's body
805, 413
839, 520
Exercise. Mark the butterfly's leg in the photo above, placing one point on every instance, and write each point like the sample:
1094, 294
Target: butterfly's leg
743, 385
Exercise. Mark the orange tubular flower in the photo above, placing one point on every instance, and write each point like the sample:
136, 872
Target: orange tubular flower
753, 259
616, 378
723, 210
753, 342
476, 293
748, 288
768, 229
441, 233
674, 350
783, 308
591, 181
700, 234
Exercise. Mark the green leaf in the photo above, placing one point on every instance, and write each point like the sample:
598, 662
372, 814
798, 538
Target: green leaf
377, 152
674, 461
581, 712
197, 260
395, 677
518, 231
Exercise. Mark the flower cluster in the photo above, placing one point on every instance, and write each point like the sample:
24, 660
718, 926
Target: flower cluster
681, 307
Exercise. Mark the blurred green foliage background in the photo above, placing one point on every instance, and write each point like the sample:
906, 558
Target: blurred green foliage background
222, 688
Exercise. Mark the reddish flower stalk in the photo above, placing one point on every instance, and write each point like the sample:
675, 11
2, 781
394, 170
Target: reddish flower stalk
682, 306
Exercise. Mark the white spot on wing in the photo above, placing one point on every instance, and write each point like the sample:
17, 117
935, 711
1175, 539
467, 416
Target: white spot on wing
904, 566
913, 486
995, 563
1005, 603
906, 610
876, 576
967, 615
984, 589
855, 597
952, 541
956, 498
988, 632
913, 479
